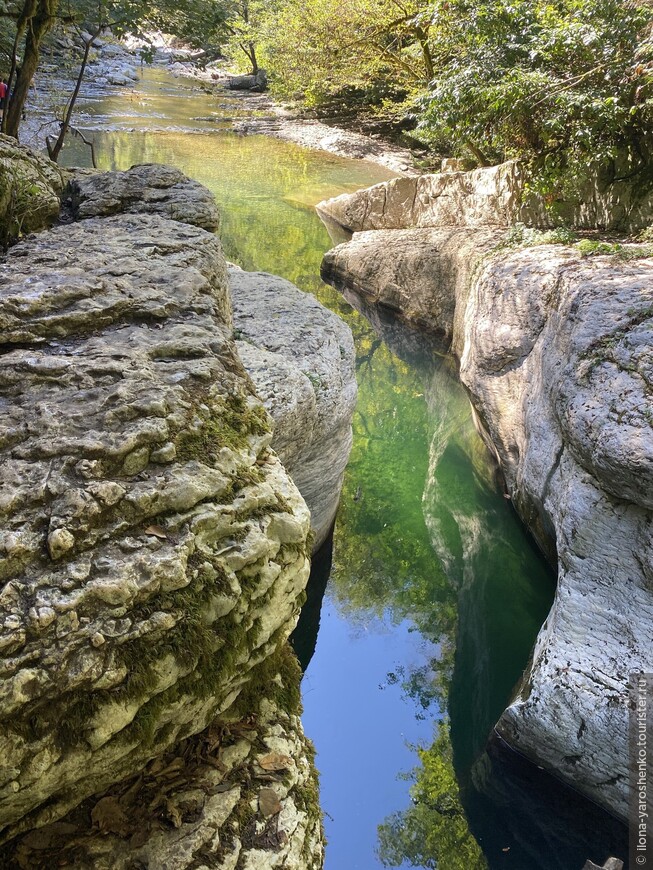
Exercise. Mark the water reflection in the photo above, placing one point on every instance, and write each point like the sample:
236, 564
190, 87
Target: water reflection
435, 594
474, 803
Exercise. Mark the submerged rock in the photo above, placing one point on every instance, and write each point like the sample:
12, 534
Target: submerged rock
301, 358
555, 350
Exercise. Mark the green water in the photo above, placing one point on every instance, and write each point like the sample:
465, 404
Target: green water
436, 593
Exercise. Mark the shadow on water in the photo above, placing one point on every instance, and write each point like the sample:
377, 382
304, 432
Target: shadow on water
435, 594
304, 637
469, 781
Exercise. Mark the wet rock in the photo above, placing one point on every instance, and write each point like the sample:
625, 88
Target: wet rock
301, 358
145, 189
404, 271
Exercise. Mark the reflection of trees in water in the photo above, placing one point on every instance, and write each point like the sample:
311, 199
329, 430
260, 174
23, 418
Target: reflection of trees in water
385, 566
433, 832
451, 557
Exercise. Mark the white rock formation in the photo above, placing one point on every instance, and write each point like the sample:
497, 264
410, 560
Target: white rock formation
556, 351
301, 358
490, 196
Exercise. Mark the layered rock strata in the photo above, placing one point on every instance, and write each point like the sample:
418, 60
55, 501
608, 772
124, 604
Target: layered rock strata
301, 359
490, 196
153, 549
555, 350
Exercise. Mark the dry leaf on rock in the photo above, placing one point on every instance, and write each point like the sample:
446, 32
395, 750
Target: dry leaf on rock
157, 531
275, 761
268, 802
108, 816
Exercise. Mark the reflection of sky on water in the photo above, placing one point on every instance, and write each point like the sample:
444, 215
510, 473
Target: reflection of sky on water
363, 727
384, 557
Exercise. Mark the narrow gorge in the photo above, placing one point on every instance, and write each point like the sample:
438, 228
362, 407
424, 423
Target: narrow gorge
554, 349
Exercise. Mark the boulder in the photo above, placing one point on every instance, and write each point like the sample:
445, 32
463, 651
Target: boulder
258, 82
145, 189
153, 549
301, 358
30, 188
555, 351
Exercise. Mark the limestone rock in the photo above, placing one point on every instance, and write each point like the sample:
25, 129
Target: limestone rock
301, 359
404, 271
558, 361
490, 196
258, 82
152, 548
30, 187
198, 805
555, 351
145, 189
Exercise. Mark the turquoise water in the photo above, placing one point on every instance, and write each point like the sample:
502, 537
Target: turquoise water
436, 593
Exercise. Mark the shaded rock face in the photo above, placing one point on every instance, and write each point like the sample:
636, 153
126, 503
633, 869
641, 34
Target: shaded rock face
30, 186
301, 359
153, 549
491, 196
555, 351
243, 790
405, 274
144, 189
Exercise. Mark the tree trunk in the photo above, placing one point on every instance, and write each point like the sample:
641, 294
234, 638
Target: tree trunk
55, 149
37, 27
28, 10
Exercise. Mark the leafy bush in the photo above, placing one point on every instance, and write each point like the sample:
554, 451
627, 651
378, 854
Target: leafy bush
564, 80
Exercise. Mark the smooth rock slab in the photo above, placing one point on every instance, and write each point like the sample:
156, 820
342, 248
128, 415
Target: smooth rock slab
301, 357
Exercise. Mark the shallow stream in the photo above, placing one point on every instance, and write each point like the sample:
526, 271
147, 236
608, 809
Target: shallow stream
435, 592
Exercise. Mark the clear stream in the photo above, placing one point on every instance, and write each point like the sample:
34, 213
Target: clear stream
435, 592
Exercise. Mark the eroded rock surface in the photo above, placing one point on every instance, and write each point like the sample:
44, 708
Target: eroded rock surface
490, 196
243, 790
153, 550
405, 274
301, 359
149, 188
30, 187
556, 352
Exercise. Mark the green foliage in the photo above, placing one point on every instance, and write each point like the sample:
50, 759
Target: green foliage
433, 832
319, 48
535, 77
593, 247
520, 234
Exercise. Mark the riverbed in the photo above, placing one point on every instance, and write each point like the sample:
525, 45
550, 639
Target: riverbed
434, 590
